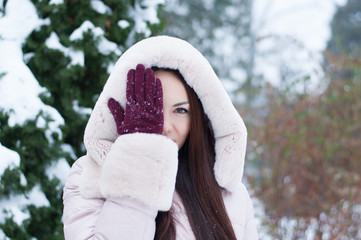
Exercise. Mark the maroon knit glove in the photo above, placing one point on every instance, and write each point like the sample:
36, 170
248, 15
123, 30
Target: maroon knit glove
144, 105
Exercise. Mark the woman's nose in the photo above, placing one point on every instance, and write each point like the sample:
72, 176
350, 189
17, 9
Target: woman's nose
167, 125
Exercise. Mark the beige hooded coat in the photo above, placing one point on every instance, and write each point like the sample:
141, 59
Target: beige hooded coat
117, 188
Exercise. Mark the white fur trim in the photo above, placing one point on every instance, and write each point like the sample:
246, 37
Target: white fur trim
100, 132
163, 51
228, 167
89, 185
142, 166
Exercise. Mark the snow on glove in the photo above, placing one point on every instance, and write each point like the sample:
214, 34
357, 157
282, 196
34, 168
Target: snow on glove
144, 104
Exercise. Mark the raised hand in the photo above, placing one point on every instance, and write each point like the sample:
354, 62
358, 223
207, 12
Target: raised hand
144, 104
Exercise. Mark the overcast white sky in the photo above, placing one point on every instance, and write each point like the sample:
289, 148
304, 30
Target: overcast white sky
306, 20
293, 33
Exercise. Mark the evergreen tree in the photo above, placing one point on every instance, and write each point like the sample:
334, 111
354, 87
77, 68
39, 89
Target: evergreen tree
346, 30
71, 55
345, 40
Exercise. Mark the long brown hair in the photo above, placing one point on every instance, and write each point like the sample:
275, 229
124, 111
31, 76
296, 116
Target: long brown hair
200, 193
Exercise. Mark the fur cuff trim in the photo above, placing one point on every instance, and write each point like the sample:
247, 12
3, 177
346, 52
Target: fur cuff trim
89, 185
141, 166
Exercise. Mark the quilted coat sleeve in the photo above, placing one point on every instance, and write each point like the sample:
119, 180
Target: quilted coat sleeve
240, 211
100, 218
250, 231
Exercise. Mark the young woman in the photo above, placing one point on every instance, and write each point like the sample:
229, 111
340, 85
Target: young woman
165, 153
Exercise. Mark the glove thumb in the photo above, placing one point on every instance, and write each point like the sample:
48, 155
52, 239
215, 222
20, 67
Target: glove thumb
117, 112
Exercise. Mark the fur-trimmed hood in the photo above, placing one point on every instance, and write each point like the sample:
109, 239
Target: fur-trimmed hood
169, 52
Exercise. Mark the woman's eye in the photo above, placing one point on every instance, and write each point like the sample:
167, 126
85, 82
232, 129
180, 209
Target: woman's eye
181, 110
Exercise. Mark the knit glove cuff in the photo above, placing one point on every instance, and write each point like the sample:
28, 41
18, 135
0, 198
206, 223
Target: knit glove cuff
142, 166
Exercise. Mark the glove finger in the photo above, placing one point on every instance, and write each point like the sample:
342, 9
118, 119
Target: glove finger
158, 97
139, 84
149, 87
117, 112
130, 87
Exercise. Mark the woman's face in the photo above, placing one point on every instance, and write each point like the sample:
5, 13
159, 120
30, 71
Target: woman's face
176, 107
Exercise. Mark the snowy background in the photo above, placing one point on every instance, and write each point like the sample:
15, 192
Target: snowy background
19, 92
292, 33
302, 21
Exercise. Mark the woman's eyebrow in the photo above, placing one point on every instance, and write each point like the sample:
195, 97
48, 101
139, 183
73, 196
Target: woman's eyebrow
179, 104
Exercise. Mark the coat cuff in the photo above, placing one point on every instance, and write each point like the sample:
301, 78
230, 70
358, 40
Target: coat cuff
142, 166
90, 175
